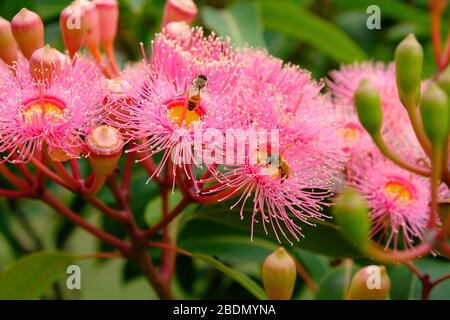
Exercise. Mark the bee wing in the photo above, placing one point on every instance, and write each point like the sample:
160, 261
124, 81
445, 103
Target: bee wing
205, 94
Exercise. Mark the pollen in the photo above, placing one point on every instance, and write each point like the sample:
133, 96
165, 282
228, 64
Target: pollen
179, 113
399, 192
43, 109
351, 133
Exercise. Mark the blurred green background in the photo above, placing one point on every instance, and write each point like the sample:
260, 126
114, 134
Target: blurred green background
318, 35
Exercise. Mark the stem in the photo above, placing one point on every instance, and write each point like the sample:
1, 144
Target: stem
12, 194
95, 186
445, 57
436, 33
391, 257
418, 128
75, 169
50, 174
110, 212
436, 160
14, 180
391, 156
72, 216
127, 172
109, 50
166, 220
65, 175
309, 282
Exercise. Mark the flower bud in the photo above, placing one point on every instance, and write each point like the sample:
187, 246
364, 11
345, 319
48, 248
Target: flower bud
179, 10
435, 113
178, 30
370, 283
45, 64
108, 12
408, 64
10, 50
352, 216
70, 25
368, 105
28, 30
279, 273
104, 144
90, 23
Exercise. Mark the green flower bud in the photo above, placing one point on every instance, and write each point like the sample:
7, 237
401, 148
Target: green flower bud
370, 283
408, 65
368, 105
435, 114
352, 215
279, 273
444, 80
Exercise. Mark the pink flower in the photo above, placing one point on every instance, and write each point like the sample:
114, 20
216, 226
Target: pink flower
289, 180
399, 200
396, 130
158, 118
55, 116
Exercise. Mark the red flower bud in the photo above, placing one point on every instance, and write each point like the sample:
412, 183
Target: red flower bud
178, 30
45, 64
179, 10
70, 25
90, 25
28, 30
10, 50
108, 12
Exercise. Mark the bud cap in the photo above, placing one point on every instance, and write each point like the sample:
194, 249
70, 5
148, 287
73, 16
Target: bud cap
179, 10
104, 144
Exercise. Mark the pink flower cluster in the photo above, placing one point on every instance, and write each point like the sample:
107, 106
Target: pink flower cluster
399, 200
200, 86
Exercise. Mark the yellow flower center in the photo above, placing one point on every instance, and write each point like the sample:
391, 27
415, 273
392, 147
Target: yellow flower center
398, 191
351, 134
179, 113
40, 109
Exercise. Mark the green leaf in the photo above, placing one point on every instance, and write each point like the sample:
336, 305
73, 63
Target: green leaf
402, 282
393, 9
315, 236
241, 278
30, 277
241, 22
333, 286
299, 24
153, 209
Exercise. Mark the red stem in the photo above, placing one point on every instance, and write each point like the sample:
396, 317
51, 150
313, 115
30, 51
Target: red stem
166, 220
75, 218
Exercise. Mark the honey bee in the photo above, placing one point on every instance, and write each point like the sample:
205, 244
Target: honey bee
283, 167
193, 94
